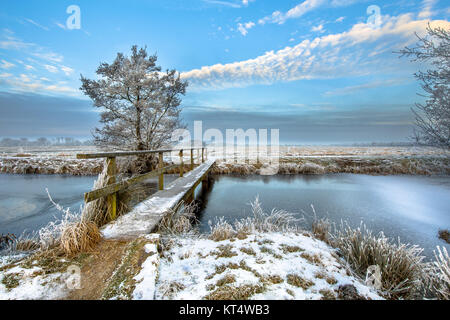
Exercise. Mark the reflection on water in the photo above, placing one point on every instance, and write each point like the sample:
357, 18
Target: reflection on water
413, 208
25, 206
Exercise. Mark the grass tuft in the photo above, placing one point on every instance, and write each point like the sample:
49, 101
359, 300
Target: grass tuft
297, 281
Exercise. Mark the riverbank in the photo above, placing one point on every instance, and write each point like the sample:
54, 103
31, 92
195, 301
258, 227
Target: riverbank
263, 256
292, 160
260, 266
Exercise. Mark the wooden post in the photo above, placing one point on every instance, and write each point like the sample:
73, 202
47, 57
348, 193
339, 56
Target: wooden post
181, 163
161, 176
203, 155
192, 159
111, 179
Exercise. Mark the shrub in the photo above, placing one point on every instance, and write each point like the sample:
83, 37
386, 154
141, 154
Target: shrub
179, 220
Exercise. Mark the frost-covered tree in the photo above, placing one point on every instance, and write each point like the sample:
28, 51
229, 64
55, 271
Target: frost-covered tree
140, 104
433, 116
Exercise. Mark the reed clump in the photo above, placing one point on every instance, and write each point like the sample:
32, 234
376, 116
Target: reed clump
260, 221
402, 266
78, 237
180, 220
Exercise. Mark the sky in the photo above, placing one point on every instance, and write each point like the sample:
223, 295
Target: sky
320, 71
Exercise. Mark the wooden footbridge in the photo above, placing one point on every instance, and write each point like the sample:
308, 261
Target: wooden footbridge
145, 217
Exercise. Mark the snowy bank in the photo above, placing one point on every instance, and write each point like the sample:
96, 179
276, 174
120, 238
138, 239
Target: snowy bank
261, 266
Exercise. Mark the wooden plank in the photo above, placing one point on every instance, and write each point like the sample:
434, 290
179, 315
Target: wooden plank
146, 216
110, 189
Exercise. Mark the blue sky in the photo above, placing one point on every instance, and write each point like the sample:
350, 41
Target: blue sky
319, 70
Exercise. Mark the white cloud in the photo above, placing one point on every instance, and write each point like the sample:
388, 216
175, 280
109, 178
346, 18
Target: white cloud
340, 19
68, 71
28, 67
301, 9
318, 28
51, 69
6, 65
244, 27
329, 56
295, 12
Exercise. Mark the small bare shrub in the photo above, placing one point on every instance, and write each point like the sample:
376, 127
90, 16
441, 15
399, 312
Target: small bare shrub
261, 221
26, 243
179, 220
221, 230
321, 229
444, 235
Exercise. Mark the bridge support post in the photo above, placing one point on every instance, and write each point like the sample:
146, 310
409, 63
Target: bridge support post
203, 155
111, 170
192, 159
161, 176
181, 163
205, 184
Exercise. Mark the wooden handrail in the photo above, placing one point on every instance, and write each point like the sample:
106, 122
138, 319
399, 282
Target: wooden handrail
111, 189
116, 187
122, 153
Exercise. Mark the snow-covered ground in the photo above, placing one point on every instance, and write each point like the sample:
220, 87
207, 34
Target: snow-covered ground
31, 283
262, 266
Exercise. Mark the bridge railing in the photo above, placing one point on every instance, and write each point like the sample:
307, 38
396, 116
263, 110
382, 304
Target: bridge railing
112, 187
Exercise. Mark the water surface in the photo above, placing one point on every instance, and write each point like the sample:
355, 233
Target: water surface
25, 206
413, 208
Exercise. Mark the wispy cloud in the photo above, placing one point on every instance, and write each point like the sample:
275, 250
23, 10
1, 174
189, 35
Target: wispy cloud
244, 27
36, 24
427, 8
29, 83
60, 25
329, 56
67, 70
6, 65
51, 69
295, 12
224, 3
369, 85
318, 28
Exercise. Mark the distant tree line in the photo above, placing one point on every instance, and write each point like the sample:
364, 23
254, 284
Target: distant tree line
43, 141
